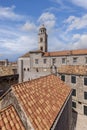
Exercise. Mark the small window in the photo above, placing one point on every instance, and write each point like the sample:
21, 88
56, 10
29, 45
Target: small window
85, 110
63, 77
24, 69
85, 95
41, 48
54, 60
37, 70
74, 59
85, 81
27, 69
86, 60
44, 60
36, 61
74, 92
73, 79
41, 39
63, 60
74, 104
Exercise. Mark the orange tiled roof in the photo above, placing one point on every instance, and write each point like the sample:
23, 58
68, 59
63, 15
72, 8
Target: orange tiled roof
61, 53
73, 69
42, 99
9, 119
68, 52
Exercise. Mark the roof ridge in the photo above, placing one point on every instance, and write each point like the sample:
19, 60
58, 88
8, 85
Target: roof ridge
33, 80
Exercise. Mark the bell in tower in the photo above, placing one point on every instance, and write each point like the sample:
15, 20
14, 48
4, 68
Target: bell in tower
42, 39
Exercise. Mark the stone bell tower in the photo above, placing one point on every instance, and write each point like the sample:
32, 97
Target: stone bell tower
42, 39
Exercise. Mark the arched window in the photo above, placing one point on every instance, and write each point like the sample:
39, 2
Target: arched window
27, 69
41, 39
41, 48
24, 69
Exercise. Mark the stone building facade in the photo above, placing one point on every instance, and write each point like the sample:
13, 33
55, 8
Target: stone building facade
76, 77
39, 63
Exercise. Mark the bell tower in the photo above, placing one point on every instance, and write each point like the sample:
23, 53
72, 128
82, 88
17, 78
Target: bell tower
42, 39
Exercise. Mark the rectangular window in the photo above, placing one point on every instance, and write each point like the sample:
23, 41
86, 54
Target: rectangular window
85, 95
41, 48
85, 110
36, 61
74, 92
74, 59
63, 60
44, 60
74, 104
73, 79
86, 60
41, 39
37, 70
54, 60
63, 77
85, 81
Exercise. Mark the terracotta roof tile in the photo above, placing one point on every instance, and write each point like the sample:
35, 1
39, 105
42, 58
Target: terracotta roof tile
59, 53
9, 119
42, 99
73, 69
66, 52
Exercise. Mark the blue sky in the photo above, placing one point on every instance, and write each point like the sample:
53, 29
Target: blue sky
65, 20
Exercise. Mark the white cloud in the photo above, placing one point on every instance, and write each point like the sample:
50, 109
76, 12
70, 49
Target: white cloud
48, 19
19, 45
29, 26
81, 3
8, 13
55, 44
76, 37
80, 41
76, 41
76, 22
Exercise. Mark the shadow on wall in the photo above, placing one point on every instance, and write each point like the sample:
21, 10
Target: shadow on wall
74, 119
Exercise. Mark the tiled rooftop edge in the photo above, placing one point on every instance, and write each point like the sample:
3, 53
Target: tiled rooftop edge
32, 80
61, 102
59, 53
10, 89
71, 70
61, 110
17, 121
6, 108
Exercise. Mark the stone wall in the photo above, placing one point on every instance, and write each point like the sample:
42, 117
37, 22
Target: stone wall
80, 89
29, 64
